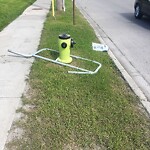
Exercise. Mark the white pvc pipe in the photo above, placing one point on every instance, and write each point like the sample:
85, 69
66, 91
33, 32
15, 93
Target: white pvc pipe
82, 71
64, 7
19, 54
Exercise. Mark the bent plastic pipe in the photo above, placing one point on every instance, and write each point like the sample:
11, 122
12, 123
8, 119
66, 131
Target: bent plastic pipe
82, 70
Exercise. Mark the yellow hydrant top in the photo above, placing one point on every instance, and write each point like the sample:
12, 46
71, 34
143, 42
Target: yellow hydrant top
65, 43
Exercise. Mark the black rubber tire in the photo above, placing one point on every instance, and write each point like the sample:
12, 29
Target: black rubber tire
138, 14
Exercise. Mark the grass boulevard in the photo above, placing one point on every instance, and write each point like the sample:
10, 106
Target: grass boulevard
68, 111
10, 9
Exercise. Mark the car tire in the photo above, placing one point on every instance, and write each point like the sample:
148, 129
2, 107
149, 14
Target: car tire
137, 13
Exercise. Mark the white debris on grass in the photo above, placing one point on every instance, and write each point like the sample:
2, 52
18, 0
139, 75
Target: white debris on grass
100, 47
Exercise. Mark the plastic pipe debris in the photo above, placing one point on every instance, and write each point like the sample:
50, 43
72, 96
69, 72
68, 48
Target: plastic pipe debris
81, 70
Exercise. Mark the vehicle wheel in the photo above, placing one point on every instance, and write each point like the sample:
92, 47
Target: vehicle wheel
138, 14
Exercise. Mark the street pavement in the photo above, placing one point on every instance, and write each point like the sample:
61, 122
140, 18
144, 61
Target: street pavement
127, 38
22, 35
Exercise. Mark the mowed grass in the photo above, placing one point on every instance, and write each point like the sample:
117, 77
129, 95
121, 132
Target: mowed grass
10, 9
74, 112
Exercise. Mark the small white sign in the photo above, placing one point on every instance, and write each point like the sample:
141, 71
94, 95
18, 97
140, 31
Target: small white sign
100, 47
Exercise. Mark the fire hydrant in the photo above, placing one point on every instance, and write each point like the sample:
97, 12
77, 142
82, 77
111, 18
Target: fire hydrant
65, 43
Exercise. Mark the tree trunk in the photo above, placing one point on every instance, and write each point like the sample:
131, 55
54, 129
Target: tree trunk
59, 5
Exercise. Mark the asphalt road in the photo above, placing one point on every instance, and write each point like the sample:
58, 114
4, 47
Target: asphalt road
127, 37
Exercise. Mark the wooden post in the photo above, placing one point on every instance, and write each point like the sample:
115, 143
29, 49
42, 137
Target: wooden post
74, 12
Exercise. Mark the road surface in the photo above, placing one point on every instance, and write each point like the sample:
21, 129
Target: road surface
127, 37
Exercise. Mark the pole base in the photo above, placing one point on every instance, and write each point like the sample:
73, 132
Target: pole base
66, 61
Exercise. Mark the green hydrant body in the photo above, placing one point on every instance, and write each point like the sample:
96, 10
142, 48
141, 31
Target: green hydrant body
65, 43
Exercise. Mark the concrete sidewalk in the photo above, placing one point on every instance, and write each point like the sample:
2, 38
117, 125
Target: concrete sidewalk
22, 35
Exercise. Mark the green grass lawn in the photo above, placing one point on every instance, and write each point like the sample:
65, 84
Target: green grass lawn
10, 9
75, 112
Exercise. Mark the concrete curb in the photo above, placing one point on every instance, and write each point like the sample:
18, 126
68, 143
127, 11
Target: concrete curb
22, 35
104, 39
